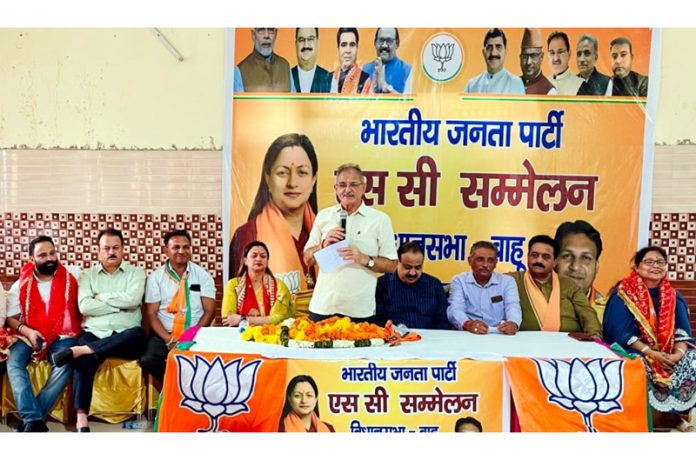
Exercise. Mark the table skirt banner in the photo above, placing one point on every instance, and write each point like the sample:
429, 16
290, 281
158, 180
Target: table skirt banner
241, 392
221, 392
570, 395
406, 396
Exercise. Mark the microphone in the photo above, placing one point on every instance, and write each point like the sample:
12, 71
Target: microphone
344, 219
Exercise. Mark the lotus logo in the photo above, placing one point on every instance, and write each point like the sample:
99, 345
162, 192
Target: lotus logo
291, 280
442, 52
216, 389
589, 388
442, 57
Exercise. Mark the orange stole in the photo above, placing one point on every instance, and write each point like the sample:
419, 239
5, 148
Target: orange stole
273, 229
548, 313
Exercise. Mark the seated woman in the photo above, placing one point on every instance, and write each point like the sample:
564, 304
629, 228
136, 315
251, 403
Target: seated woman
301, 412
255, 294
646, 315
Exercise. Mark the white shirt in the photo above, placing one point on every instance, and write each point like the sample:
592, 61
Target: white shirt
350, 290
566, 83
306, 78
161, 288
13, 307
501, 82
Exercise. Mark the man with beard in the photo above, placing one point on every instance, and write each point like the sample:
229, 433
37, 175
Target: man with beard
307, 76
349, 78
370, 249
481, 300
595, 83
626, 82
179, 294
559, 57
496, 79
110, 297
409, 296
388, 73
42, 310
262, 69
550, 302
531, 57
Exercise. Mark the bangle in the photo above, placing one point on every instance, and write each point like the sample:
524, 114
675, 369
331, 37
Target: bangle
644, 349
19, 328
681, 351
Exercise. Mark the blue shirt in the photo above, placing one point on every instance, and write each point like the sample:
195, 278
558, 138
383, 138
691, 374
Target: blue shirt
497, 301
421, 305
396, 72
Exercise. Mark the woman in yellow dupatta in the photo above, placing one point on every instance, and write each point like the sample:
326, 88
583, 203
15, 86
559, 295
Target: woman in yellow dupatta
283, 211
301, 411
255, 295
646, 315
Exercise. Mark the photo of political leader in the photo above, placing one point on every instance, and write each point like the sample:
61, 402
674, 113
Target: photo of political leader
262, 69
496, 78
389, 73
301, 409
626, 82
307, 76
283, 211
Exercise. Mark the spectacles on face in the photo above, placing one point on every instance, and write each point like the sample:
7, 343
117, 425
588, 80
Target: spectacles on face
386, 41
532, 56
344, 185
654, 262
303, 40
560, 52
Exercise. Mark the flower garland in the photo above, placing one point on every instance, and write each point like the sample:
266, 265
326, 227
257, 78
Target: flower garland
333, 332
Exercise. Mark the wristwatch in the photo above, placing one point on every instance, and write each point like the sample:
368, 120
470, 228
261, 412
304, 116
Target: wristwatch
370, 262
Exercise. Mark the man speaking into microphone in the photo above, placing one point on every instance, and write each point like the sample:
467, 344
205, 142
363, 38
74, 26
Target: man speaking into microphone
371, 249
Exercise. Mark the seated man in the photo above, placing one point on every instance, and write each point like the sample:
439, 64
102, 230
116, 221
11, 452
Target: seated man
110, 296
551, 302
42, 309
179, 294
482, 299
409, 296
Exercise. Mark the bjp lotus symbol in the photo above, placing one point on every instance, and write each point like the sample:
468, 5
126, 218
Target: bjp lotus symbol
442, 53
216, 389
592, 387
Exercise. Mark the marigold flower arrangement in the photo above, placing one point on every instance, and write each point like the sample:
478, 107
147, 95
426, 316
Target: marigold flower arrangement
334, 332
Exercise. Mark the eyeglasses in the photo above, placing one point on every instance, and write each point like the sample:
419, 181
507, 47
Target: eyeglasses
532, 56
553, 53
343, 185
386, 41
654, 262
303, 40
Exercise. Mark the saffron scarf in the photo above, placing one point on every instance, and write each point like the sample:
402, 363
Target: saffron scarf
180, 304
657, 331
548, 313
294, 424
247, 304
273, 229
50, 322
352, 80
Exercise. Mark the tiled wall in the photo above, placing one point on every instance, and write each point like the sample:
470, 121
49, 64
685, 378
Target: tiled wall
75, 236
676, 233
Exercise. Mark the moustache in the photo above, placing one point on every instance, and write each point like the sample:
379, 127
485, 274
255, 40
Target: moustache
384, 49
538, 265
306, 49
494, 57
412, 276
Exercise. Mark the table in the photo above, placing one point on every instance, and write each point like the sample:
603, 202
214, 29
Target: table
558, 384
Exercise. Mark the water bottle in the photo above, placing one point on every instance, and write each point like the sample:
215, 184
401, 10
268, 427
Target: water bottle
243, 325
135, 424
